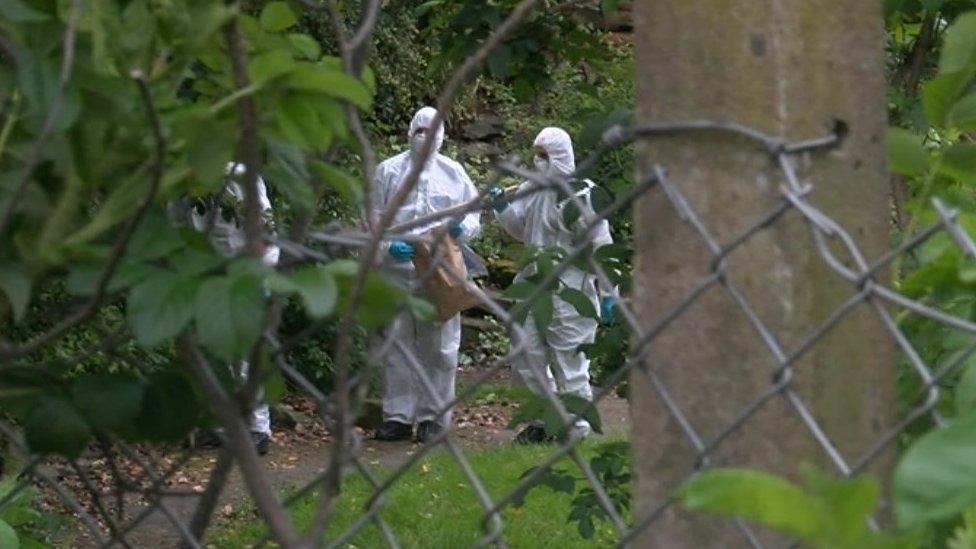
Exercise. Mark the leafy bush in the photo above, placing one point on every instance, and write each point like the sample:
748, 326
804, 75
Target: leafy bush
23, 525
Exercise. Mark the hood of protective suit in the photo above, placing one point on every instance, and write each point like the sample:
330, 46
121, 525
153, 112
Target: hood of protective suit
559, 146
423, 119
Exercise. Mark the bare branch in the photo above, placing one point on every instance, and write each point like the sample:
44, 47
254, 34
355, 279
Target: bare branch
240, 445
249, 146
208, 501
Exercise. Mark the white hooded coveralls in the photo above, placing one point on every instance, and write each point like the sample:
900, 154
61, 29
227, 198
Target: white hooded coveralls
537, 220
228, 239
443, 183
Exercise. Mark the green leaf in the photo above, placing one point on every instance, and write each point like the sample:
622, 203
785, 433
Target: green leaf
421, 308
331, 82
752, 495
906, 155
170, 408
317, 287
277, 16
108, 402
499, 61
39, 80
520, 290
84, 277
348, 187
305, 45
600, 198
287, 170
571, 214
17, 287
155, 237
965, 394
270, 65
959, 162
940, 94
8, 537
580, 301
193, 260
847, 504
298, 121
936, 478
160, 307
380, 302
274, 388
424, 8
962, 116
209, 147
53, 426
117, 207
542, 312
17, 11
959, 46
582, 407
230, 315
609, 6
533, 407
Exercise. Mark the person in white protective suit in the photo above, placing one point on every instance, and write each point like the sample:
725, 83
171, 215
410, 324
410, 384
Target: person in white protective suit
221, 218
537, 219
443, 183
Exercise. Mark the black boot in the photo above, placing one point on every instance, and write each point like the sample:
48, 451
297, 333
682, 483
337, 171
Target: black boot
261, 442
392, 431
427, 430
534, 434
206, 440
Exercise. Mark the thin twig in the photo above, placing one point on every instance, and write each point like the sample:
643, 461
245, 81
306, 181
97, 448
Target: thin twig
249, 145
240, 445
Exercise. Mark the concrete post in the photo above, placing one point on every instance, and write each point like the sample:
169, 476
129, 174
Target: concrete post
789, 68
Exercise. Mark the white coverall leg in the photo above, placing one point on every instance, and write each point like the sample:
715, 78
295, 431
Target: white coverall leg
556, 356
443, 183
435, 348
228, 239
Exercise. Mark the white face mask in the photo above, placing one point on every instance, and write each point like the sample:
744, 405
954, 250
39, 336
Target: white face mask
417, 143
541, 164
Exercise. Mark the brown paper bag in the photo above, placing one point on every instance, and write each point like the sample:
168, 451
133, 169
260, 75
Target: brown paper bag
446, 287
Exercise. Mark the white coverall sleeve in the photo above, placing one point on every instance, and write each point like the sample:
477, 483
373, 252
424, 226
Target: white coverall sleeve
271, 252
512, 218
377, 197
471, 223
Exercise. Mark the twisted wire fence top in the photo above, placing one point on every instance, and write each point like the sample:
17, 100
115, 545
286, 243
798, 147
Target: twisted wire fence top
831, 243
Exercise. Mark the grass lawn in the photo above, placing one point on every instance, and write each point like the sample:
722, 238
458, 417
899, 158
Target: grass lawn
433, 506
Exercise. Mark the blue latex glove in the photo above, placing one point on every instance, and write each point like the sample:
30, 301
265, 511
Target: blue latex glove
607, 305
497, 199
455, 229
401, 251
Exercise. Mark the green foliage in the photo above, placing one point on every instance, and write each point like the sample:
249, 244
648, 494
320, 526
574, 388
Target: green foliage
934, 479
964, 537
829, 512
433, 505
23, 525
537, 407
524, 60
611, 465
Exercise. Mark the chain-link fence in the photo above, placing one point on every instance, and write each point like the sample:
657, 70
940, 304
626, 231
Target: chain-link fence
135, 481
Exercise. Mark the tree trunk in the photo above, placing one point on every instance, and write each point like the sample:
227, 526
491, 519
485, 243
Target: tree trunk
790, 68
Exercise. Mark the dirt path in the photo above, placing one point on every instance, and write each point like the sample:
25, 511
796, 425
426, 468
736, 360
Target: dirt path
297, 457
